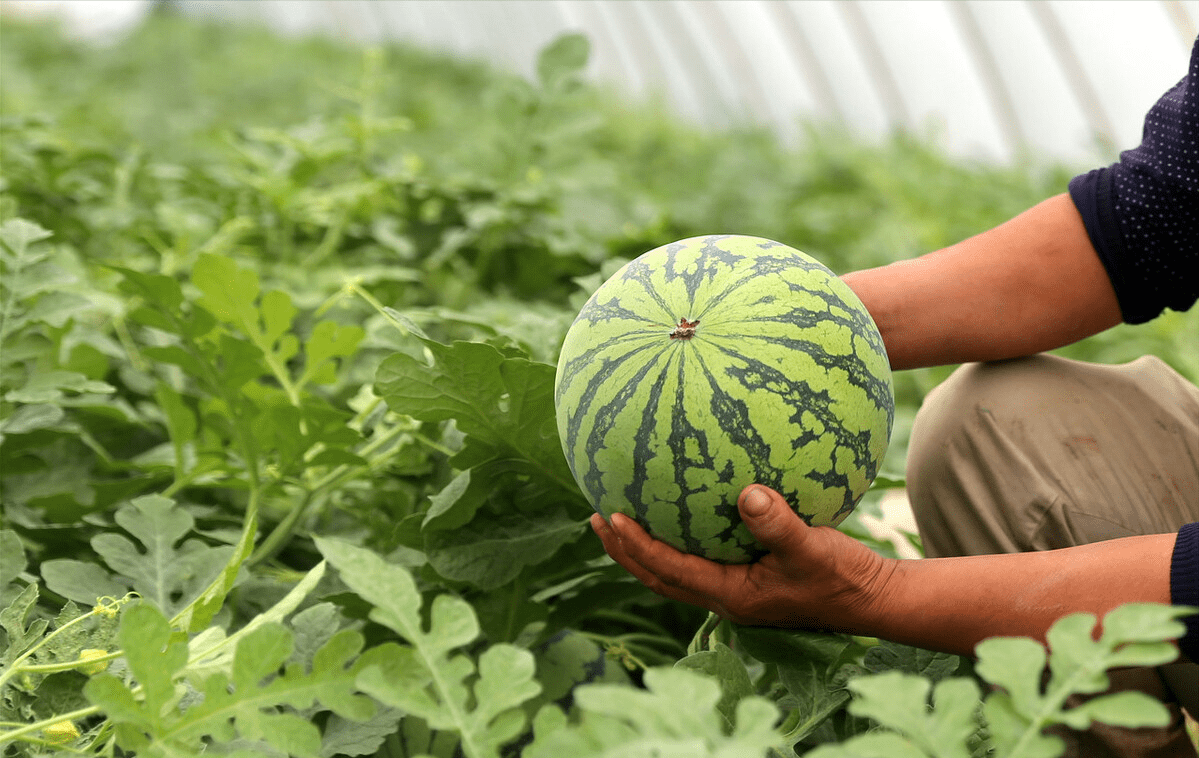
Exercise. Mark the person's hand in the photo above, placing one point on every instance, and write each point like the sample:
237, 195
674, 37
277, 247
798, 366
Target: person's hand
813, 577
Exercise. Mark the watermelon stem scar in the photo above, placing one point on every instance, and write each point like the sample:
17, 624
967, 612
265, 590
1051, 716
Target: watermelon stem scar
685, 330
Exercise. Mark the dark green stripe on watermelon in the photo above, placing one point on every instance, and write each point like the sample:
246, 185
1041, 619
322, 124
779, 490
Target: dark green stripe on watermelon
605, 416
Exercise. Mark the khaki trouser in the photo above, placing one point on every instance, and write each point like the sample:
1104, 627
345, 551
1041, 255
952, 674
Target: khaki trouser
1042, 453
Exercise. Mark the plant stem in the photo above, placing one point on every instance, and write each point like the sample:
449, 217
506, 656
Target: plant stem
369, 298
51, 668
702, 639
333, 234
126, 339
432, 445
319, 491
282, 532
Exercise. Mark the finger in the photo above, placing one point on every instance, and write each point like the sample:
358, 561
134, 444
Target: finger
674, 568
607, 536
618, 545
772, 521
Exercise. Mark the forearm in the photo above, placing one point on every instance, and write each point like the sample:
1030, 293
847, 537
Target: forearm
821, 578
1029, 285
952, 604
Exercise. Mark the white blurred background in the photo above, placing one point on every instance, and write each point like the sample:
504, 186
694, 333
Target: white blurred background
994, 79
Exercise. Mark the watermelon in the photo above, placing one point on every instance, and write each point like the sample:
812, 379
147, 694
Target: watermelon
716, 362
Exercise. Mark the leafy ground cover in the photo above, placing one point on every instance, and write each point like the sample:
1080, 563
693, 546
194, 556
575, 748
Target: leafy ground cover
278, 320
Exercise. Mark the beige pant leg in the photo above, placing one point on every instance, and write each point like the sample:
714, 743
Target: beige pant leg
1043, 452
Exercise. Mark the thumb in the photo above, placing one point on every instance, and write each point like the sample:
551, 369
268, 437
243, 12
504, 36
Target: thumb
770, 519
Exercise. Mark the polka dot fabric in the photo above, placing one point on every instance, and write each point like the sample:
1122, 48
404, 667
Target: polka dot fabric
1142, 213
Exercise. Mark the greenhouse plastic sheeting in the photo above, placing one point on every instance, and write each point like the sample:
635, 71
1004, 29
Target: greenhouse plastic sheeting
991, 78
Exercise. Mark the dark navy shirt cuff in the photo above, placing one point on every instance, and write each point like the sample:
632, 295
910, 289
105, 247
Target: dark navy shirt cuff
1184, 585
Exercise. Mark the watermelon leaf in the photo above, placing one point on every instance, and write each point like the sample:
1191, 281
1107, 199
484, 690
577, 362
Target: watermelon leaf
457, 502
1020, 708
21, 634
229, 291
726, 667
154, 658
28, 270
328, 343
165, 571
16, 236
81, 581
562, 60
813, 667
892, 656
344, 736
901, 700
504, 405
1133, 635
427, 678
213, 650
510, 455
252, 701
490, 551
12, 563
675, 715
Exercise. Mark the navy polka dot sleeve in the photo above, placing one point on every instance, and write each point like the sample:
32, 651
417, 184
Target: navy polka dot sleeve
1184, 585
1142, 213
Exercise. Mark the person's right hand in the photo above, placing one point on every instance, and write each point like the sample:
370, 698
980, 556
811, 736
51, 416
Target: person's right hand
812, 578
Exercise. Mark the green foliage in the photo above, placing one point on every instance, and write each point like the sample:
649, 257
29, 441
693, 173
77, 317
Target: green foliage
675, 715
425, 679
513, 503
249, 324
951, 723
241, 702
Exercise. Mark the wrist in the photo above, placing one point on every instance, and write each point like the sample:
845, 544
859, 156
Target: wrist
877, 594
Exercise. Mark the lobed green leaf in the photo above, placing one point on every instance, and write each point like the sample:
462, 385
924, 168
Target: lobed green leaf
503, 404
675, 715
166, 571
12, 557
427, 678
229, 291
259, 700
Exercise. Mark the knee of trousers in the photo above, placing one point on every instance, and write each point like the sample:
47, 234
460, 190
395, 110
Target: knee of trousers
1003, 391
951, 476
1044, 452
976, 470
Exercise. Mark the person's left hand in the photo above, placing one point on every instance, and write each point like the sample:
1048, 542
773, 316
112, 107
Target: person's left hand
813, 577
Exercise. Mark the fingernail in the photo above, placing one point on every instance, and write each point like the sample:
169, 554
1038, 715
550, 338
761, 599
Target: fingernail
756, 502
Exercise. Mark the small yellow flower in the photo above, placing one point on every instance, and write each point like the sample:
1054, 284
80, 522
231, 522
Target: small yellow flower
62, 733
91, 665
